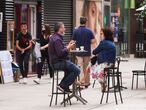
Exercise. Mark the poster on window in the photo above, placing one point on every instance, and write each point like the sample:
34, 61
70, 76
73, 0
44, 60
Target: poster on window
92, 10
1, 21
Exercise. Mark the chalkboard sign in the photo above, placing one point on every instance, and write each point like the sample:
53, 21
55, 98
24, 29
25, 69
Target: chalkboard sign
6, 67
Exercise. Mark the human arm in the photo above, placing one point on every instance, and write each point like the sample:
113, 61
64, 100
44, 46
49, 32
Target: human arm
98, 49
29, 46
18, 47
29, 42
44, 47
60, 49
18, 43
93, 40
94, 43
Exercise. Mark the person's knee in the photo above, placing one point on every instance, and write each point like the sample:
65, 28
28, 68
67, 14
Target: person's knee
77, 71
73, 68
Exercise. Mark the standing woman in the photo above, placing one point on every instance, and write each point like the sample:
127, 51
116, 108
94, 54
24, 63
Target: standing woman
44, 42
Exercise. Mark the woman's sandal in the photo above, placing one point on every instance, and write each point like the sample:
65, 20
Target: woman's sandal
103, 86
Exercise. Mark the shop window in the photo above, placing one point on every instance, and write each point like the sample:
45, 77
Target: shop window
106, 16
24, 13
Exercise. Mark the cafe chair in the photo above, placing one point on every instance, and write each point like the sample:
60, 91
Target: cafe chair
112, 77
138, 73
117, 63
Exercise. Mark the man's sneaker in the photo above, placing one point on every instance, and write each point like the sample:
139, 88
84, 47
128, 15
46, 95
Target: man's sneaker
37, 81
21, 81
68, 91
24, 80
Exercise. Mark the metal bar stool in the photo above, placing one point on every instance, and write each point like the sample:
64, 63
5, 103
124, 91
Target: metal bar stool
114, 88
112, 74
55, 89
118, 60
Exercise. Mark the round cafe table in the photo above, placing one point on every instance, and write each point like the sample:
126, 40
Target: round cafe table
75, 88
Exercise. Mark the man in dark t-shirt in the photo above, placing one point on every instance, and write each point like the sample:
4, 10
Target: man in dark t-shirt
23, 47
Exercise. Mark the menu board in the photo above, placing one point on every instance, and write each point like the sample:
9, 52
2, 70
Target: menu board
7, 73
6, 67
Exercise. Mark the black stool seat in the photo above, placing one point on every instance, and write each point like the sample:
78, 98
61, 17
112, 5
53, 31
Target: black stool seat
139, 71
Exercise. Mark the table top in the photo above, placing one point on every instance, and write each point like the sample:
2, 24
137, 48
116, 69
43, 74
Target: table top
78, 51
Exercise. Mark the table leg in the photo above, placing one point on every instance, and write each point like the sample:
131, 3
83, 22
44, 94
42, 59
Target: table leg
77, 97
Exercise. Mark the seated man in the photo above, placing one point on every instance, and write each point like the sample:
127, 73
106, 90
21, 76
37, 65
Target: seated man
58, 57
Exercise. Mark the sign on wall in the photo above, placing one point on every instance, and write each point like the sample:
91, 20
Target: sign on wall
1, 21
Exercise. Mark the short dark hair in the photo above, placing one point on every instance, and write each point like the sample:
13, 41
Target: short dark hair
108, 34
23, 23
57, 26
83, 20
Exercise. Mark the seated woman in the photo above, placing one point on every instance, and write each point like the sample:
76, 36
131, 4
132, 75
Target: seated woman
105, 55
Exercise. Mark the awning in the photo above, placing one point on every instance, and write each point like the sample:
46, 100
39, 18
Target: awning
141, 8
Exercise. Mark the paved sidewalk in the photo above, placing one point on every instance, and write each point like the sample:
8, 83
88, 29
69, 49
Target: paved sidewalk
15, 96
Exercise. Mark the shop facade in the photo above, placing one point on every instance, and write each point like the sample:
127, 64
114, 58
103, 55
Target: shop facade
70, 11
130, 31
6, 23
38, 12
97, 13
14, 12
28, 11
59, 11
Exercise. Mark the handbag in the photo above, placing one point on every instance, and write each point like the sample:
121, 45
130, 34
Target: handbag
93, 60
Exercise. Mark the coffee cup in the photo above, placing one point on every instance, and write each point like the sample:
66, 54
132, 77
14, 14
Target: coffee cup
82, 48
77, 49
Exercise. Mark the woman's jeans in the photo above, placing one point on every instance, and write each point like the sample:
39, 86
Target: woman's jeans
71, 70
